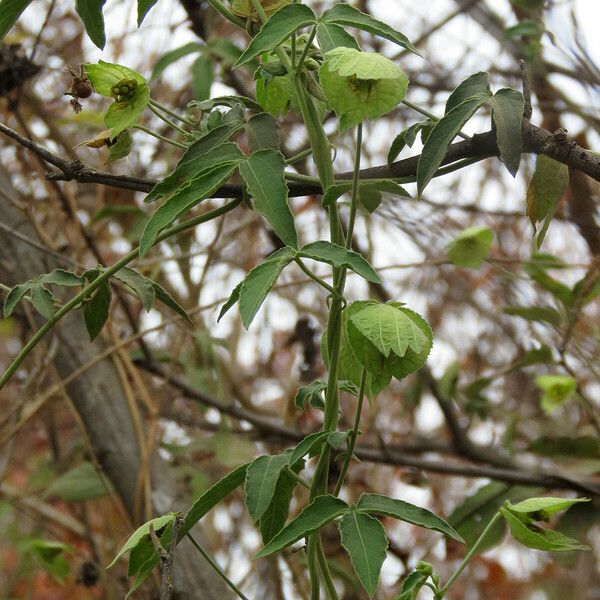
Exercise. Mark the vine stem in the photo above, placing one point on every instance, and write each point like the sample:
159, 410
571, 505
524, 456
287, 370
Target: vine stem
311, 37
105, 275
160, 137
316, 278
355, 186
473, 550
168, 111
429, 115
216, 567
167, 120
353, 434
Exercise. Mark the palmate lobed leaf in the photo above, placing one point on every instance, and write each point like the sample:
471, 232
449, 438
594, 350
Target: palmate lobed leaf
364, 538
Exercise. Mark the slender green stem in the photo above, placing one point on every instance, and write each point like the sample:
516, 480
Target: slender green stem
429, 115
225, 12
294, 159
312, 563
168, 111
316, 278
355, 185
353, 434
325, 572
160, 137
216, 567
260, 11
293, 53
104, 276
306, 50
167, 120
469, 556
302, 178
297, 477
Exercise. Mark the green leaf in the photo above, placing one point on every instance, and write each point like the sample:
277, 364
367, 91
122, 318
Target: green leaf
10, 11
259, 281
139, 284
275, 95
199, 188
339, 257
348, 16
141, 532
275, 516
261, 480
335, 191
15, 296
535, 537
406, 137
557, 389
363, 537
49, 555
90, 12
245, 9
122, 115
202, 77
308, 445
262, 132
277, 29
121, 147
404, 511
542, 314
472, 516
173, 56
541, 509
476, 85
263, 173
233, 299
389, 327
42, 301
585, 446
212, 497
546, 188
79, 483
360, 85
507, 111
143, 8
104, 76
195, 162
322, 510
445, 130
96, 310
166, 298
411, 586
471, 247
330, 36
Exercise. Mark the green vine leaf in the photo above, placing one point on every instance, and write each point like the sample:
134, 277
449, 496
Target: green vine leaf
471, 247
530, 535
463, 103
339, 257
10, 11
360, 85
42, 300
369, 192
261, 481
330, 36
322, 510
347, 16
363, 537
143, 8
508, 106
259, 281
308, 445
168, 300
96, 310
245, 9
277, 29
275, 516
15, 296
173, 56
376, 504
263, 173
411, 586
90, 12
105, 75
158, 524
406, 137
541, 509
140, 285
199, 188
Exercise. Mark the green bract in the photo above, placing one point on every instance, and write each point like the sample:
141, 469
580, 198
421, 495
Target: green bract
127, 87
361, 85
